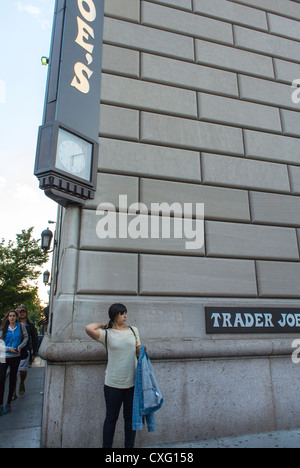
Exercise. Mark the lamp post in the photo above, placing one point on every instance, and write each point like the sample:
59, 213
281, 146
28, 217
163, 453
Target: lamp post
46, 277
46, 239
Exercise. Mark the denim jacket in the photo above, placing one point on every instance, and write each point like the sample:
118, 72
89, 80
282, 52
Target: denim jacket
147, 396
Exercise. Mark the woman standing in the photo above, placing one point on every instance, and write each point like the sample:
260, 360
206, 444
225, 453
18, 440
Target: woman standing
13, 337
123, 344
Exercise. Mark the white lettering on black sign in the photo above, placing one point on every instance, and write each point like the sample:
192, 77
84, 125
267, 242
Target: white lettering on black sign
232, 320
85, 35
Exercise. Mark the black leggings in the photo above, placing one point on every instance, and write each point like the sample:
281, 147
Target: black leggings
13, 363
114, 397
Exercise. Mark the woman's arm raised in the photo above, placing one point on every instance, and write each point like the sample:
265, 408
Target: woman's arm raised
93, 330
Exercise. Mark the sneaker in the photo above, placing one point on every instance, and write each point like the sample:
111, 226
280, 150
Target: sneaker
21, 389
7, 409
1, 410
14, 397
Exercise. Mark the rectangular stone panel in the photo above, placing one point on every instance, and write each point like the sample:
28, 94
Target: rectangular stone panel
278, 279
141, 234
117, 122
124, 9
182, 276
186, 23
266, 92
284, 26
190, 134
269, 208
272, 147
244, 173
235, 112
110, 186
153, 40
232, 12
294, 173
282, 7
286, 71
249, 241
181, 4
230, 58
290, 122
188, 75
121, 61
268, 44
107, 273
219, 203
127, 92
124, 157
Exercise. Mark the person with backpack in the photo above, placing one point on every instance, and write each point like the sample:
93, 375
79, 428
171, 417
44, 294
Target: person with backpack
13, 339
123, 345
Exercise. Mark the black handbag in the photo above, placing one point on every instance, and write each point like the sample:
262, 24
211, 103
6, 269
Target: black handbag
24, 351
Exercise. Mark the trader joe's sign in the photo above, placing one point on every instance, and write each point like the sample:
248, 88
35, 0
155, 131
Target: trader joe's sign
236, 320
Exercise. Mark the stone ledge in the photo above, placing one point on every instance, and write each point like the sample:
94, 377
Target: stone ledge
58, 352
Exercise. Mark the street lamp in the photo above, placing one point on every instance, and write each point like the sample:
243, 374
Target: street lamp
46, 277
45, 61
46, 239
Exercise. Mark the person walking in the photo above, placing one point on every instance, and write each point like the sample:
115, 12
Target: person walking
31, 348
123, 344
13, 338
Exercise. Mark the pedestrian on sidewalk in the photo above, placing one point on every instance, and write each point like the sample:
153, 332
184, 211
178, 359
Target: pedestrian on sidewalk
123, 344
13, 338
31, 348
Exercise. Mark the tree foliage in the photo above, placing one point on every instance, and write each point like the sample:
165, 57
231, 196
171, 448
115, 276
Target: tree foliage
19, 268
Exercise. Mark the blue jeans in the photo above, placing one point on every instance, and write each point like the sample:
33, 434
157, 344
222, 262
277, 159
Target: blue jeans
114, 397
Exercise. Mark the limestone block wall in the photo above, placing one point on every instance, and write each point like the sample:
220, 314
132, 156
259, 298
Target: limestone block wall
197, 107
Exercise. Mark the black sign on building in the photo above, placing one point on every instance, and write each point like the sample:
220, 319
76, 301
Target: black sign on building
255, 320
67, 148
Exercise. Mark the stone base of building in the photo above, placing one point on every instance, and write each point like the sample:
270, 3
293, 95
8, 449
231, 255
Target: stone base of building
212, 390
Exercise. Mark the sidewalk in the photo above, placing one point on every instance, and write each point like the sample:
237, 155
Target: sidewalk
277, 439
22, 427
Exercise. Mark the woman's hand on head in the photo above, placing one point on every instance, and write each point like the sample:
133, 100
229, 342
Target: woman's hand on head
92, 330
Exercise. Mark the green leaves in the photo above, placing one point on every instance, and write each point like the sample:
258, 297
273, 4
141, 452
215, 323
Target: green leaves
19, 268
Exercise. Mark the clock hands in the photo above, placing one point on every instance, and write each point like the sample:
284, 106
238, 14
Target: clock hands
78, 154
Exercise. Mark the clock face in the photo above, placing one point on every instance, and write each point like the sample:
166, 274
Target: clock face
74, 155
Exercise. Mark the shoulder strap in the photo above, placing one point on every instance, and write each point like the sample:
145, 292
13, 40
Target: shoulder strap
133, 332
106, 336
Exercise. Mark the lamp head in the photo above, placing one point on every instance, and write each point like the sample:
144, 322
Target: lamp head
45, 61
46, 238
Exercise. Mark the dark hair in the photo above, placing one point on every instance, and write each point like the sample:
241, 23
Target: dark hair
114, 311
5, 322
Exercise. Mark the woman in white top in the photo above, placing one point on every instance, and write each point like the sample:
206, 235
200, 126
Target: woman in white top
123, 346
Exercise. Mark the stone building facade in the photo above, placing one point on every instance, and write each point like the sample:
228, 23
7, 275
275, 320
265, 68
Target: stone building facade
197, 107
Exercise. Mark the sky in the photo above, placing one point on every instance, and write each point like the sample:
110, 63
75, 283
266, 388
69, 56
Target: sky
25, 36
